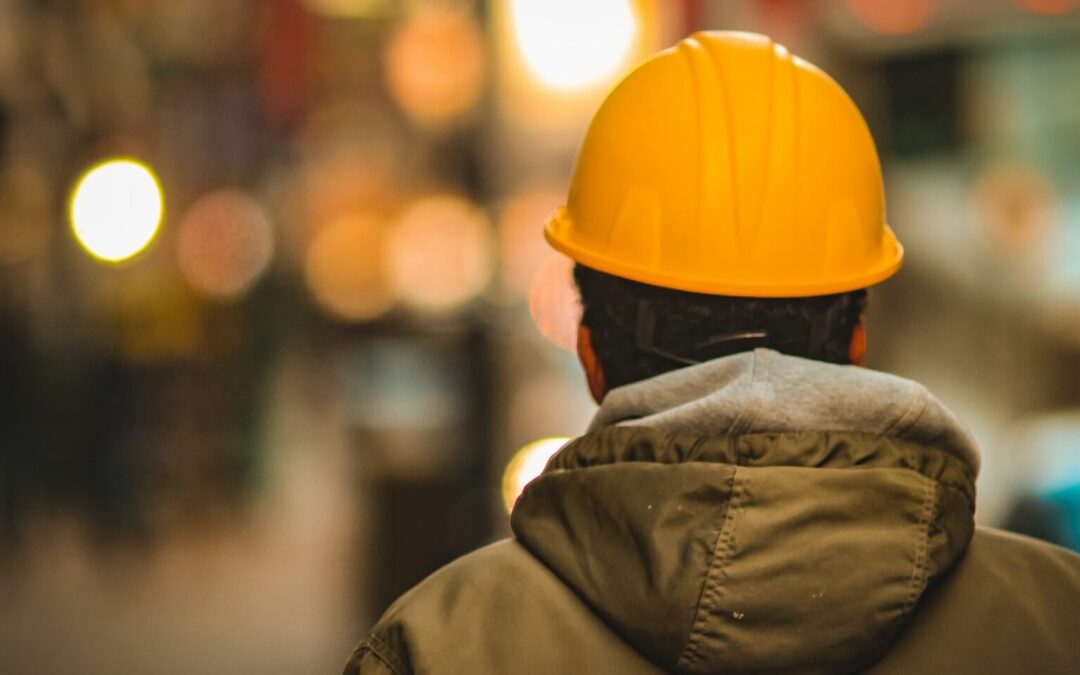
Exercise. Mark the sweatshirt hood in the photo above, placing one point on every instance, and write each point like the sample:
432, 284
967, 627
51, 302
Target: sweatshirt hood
757, 513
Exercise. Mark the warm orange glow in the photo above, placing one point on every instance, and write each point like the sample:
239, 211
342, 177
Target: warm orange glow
893, 17
435, 65
521, 236
1050, 7
440, 253
224, 244
554, 302
345, 271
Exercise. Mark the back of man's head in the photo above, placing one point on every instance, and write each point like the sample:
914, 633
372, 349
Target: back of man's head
638, 330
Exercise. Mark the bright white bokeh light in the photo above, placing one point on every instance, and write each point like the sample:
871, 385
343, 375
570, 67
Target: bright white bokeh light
116, 209
571, 44
526, 464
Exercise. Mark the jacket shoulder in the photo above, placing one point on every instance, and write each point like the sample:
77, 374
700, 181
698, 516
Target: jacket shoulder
1042, 564
1010, 604
495, 610
450, 593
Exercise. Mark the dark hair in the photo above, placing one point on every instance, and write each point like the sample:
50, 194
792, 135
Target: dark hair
639, 331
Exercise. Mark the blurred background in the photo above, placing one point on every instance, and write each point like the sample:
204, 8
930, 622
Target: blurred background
279, 334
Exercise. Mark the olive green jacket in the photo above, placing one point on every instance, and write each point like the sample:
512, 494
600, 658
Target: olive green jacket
757, 514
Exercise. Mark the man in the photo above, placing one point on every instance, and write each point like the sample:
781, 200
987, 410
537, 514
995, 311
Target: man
745, 499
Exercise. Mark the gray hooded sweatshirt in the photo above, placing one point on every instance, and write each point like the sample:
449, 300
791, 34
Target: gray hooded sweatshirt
758, 513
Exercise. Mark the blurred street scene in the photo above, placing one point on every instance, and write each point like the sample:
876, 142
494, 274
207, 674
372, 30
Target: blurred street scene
323, 344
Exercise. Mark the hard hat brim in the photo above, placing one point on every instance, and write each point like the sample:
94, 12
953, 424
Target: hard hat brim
888, 265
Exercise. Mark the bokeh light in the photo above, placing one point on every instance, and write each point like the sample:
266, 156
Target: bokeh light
569, 44
345, 271
435, 65
440, 253
554, 303
891, 17
521, 240
1015, 207
1049, 7
116, 209
224, 244
526, 464
352, 163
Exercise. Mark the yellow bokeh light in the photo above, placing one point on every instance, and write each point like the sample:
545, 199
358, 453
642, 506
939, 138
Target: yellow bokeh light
349, 9
116, 209
569, 44
526, 464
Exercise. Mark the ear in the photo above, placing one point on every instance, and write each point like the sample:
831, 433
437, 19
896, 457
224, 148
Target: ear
594, 373
857, 348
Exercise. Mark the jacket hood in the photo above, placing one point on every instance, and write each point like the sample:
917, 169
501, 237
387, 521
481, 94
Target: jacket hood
757, 513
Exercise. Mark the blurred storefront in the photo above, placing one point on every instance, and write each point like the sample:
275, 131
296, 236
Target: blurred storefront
300, 379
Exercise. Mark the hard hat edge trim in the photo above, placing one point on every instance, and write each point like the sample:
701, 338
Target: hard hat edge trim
615, 268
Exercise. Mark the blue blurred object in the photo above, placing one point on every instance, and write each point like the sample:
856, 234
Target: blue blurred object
1052, 517
1048, 502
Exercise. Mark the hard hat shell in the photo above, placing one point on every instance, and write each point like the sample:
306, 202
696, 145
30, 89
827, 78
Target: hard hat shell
726, 165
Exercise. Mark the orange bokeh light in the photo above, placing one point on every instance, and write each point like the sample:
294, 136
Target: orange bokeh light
1050, 7
345, 269
224, 244
892, 17
435, 65
521, 236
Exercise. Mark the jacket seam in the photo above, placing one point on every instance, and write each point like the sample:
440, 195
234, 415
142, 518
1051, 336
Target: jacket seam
758, 378
711, 587
383, 652
920, 567
915, 411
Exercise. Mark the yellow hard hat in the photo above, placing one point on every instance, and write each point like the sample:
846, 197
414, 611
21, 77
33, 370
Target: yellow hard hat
726, 165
